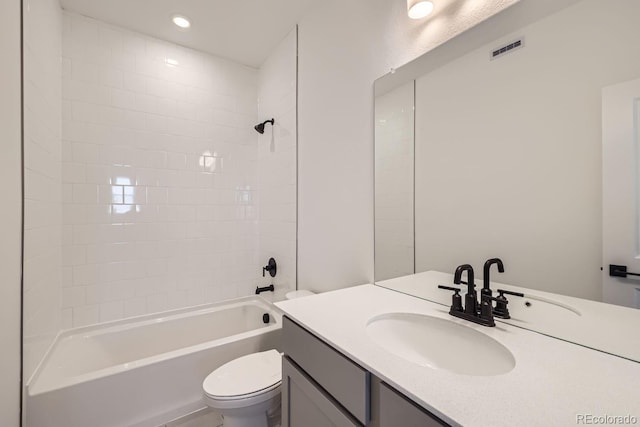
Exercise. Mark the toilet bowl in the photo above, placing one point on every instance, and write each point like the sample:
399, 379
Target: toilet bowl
246, 390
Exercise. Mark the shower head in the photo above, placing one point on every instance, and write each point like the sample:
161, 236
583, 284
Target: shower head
260, 128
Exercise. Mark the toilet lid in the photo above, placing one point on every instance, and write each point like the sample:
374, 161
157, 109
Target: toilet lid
298, 294
245, 375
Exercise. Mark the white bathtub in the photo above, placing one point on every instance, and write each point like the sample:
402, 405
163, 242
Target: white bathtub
147, 370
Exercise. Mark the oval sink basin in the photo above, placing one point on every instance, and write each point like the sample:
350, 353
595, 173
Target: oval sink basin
535, 311
440, 344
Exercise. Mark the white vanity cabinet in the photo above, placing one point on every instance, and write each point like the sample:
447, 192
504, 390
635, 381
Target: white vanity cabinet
321, 387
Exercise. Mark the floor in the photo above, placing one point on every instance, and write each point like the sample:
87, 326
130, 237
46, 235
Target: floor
202, 418
206, 418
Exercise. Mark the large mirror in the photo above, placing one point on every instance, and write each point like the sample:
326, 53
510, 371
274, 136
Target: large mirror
505, 142
394, 156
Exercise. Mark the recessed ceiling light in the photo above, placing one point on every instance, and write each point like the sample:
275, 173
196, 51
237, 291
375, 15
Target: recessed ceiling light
419, 8
181, 21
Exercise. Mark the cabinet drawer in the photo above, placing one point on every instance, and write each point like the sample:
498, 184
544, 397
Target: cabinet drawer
347, 382
304, 404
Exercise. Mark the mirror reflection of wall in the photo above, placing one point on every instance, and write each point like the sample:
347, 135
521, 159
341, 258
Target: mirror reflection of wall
394, 154
508, 151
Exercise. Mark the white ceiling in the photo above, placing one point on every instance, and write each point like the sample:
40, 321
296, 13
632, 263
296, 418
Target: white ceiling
245, 31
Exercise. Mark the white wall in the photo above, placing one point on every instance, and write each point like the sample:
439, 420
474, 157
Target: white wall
43, 172
508, 152
343, 48
394, 156
11, 213
277, 163
159, 175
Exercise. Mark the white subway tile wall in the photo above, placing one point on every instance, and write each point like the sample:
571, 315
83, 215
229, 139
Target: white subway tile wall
277, 154
42, 314
394, 174
146, 188
160, 175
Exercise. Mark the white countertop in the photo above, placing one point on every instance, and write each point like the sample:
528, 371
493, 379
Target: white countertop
605, 327
553, 381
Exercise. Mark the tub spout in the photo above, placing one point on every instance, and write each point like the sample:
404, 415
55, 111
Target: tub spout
259, 290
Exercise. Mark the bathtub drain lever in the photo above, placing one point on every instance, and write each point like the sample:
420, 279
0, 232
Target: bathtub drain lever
259, 290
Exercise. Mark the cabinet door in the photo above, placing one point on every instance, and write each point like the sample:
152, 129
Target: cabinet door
394, 409
339, 376
304, 404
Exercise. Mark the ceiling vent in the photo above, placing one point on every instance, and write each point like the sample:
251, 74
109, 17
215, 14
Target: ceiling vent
507, 48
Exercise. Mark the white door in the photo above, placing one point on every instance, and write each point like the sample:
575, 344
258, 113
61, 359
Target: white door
621, 192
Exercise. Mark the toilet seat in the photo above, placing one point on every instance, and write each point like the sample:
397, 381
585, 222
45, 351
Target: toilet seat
245, 381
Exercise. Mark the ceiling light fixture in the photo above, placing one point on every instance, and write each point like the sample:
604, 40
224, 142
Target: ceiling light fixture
419, 8
181, 21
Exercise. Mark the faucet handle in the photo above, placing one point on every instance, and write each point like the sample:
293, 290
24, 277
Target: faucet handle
449, 288
271, 267
456, 299
516, 294
501, 309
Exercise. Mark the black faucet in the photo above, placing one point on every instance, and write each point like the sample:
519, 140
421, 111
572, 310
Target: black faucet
269, 288
271, 267
486, 289
471, 298
482, 314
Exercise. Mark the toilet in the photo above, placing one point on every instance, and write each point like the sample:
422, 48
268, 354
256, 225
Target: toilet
246, 390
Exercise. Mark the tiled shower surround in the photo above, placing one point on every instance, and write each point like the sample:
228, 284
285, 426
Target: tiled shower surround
277, 151
42, 179
159, 175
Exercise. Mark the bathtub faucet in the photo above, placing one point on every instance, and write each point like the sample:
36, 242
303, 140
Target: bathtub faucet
259, 290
